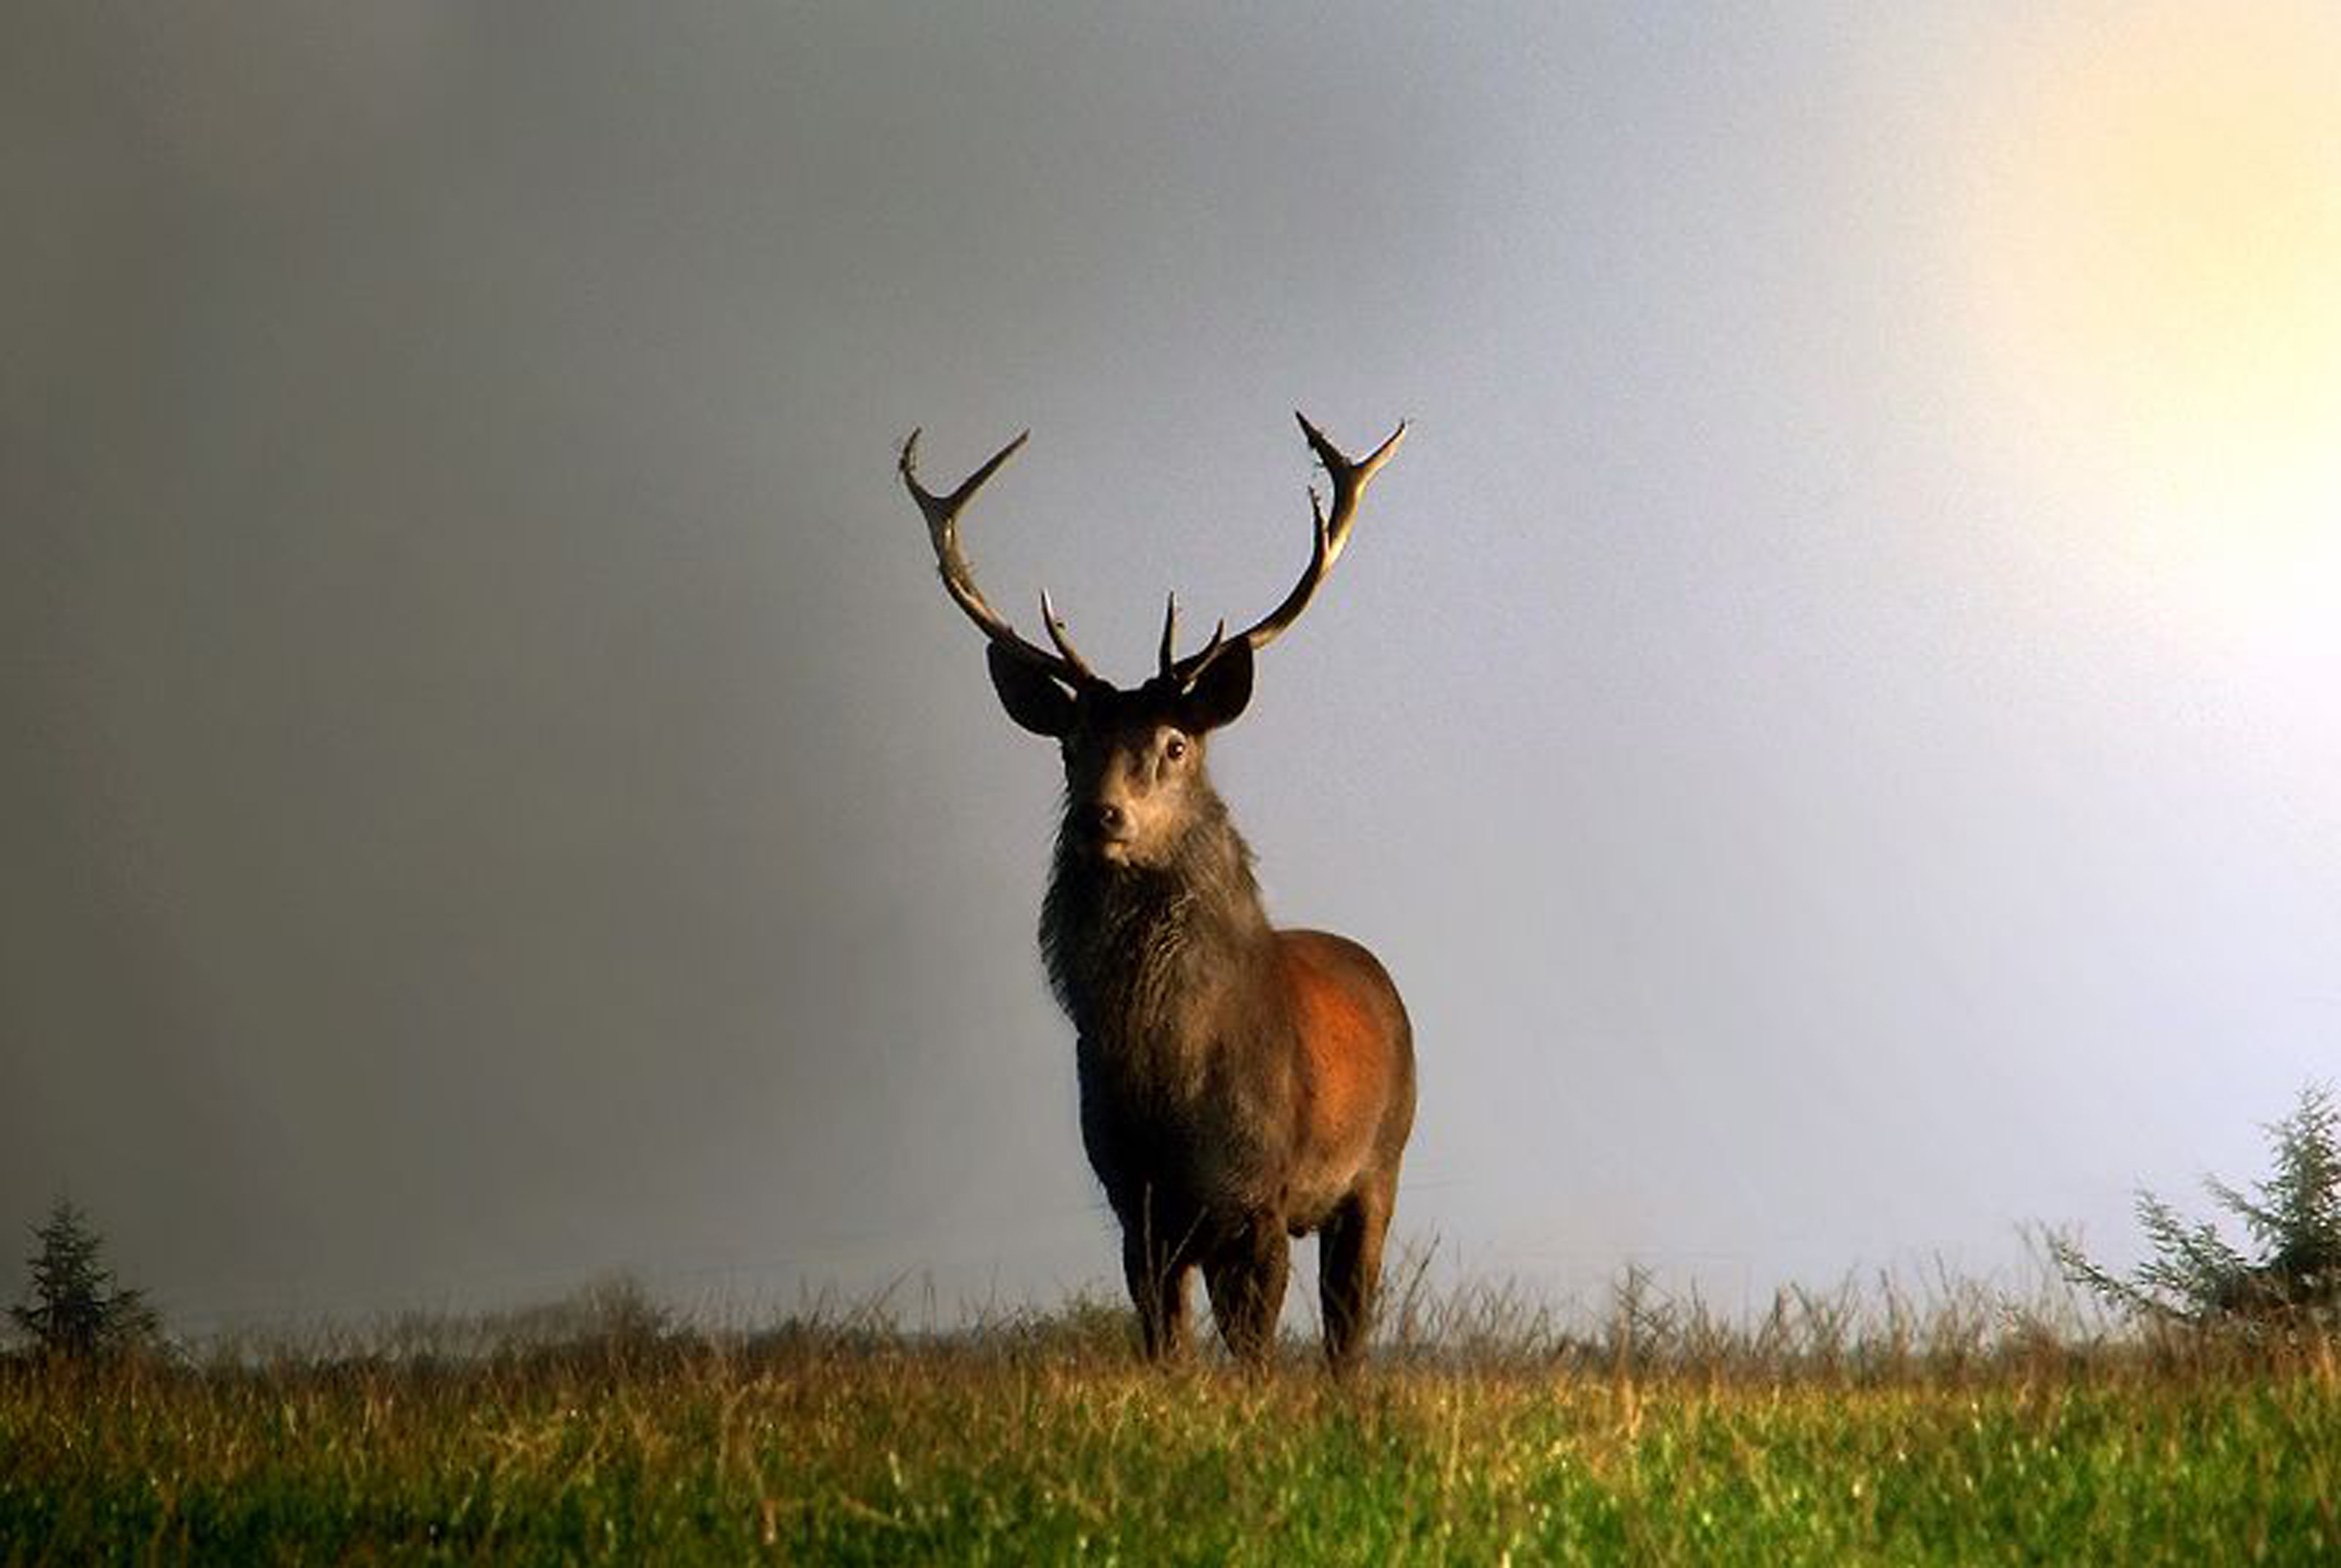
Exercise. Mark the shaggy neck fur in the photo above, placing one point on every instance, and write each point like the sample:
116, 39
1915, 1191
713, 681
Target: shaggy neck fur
1134, 951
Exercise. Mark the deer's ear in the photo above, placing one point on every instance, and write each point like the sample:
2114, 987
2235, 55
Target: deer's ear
1221, 692
1032, 698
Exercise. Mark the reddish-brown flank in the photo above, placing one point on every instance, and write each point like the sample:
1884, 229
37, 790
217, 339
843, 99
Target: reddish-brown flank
1346, 1038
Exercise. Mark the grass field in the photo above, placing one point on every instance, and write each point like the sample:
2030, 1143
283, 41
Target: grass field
1039, 1441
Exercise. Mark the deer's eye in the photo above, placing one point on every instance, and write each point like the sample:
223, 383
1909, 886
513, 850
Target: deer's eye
1175, 748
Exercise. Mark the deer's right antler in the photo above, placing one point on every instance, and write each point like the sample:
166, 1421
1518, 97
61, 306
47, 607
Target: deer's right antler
941, 512
1349, 478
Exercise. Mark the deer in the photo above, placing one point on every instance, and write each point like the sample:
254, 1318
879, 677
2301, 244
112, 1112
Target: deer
1240, 1085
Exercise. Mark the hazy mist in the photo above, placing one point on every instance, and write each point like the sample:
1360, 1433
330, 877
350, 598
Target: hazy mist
493, 794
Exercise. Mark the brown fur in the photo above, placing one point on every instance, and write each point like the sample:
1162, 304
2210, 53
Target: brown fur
1240, 1085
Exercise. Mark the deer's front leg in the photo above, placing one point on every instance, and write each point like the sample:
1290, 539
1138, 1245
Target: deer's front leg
1157, 1276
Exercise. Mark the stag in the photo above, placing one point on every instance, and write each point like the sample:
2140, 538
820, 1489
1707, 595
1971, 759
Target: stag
1239, 1083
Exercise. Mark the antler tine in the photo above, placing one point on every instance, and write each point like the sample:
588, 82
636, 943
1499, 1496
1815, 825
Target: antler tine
1329, 534
941, 512
1169, 661
1055, 624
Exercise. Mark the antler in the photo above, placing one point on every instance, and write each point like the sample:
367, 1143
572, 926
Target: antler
941, 512
1349, 481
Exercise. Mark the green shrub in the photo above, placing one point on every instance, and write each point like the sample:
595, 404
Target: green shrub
75, 1311
2292, 1218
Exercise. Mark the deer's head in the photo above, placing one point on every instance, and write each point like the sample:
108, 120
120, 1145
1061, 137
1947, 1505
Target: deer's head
1133, 756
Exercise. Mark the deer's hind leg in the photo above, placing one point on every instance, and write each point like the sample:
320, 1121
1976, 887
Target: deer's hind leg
1350, 1269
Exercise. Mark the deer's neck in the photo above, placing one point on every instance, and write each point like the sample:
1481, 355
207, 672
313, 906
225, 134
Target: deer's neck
1138, 955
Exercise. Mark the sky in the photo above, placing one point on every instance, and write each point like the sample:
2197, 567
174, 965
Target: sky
1829, 719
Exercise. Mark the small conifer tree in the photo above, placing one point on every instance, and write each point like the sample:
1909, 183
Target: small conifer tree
75, 1311
2293, 1219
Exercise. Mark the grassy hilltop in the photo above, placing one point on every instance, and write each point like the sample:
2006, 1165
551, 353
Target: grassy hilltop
1807, 1440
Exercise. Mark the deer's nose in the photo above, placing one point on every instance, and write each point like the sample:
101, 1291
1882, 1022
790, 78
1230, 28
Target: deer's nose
1110, 818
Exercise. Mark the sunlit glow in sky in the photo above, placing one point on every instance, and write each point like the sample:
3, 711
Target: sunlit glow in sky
1830, 718
2160, 271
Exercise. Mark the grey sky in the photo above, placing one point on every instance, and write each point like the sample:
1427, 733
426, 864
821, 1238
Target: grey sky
493, 792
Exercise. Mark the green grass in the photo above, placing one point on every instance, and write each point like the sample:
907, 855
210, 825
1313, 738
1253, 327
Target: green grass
1038, 1445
